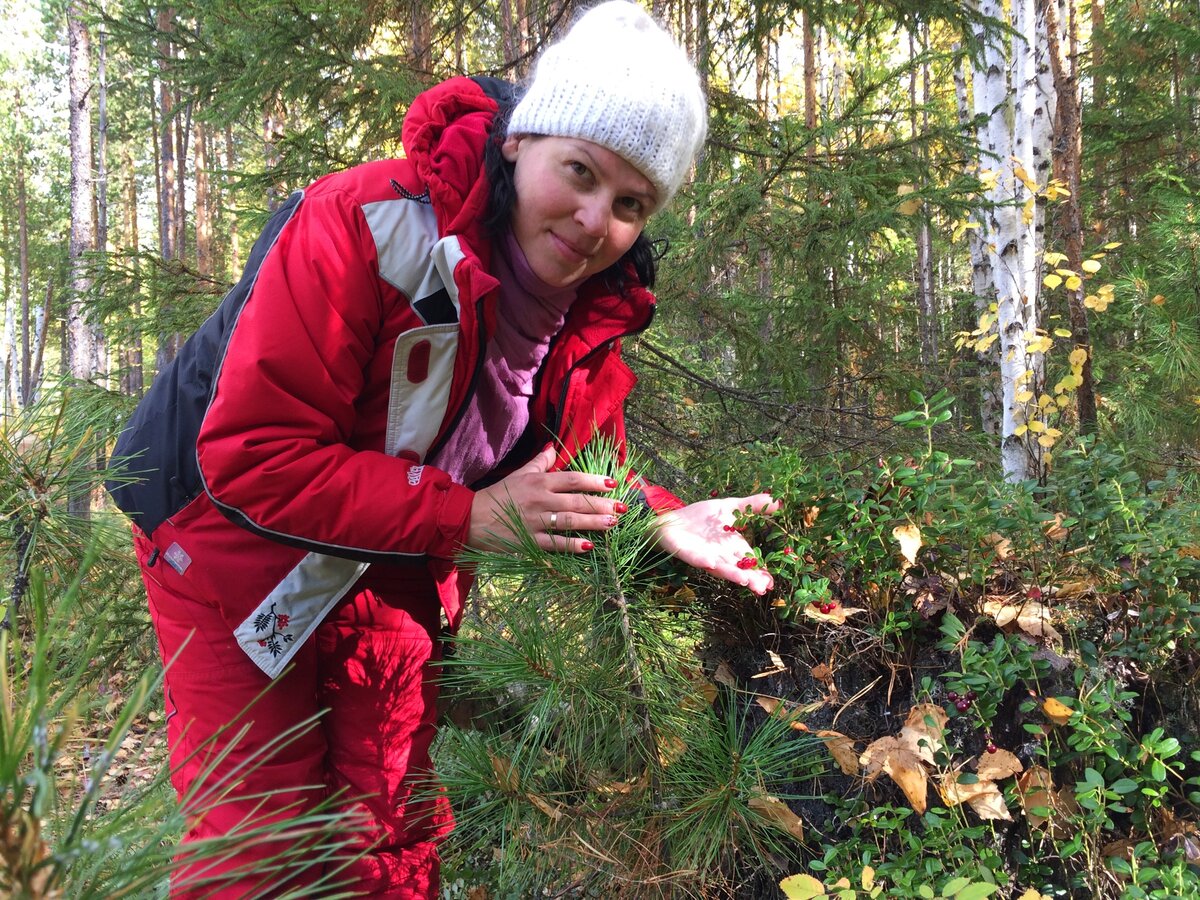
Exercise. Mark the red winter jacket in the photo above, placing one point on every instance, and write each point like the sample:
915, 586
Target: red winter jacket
283, 449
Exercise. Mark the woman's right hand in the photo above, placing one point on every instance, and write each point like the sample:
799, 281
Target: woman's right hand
547, 503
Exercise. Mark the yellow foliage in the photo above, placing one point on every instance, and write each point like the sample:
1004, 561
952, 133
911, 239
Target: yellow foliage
1091, 266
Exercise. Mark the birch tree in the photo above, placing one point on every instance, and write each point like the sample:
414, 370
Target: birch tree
1015, 112
82, 344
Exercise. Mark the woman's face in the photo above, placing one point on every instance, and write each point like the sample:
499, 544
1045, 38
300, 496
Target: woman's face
579, 206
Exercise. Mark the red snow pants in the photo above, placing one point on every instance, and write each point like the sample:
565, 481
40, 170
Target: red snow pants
242, 762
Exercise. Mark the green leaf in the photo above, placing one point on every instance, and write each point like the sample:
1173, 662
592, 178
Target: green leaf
954, 885
977, 891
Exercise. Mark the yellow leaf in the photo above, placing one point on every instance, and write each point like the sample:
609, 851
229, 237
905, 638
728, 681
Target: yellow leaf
903, 189
1054, 258
1062, 400
1056, 711
1091, 266
836, 616
1024, 396
1027, 211
909, 538
1037, 427
1074, 283
868, 878
1040, 345
1047, 441
802, 887
1066, 273
1052, 281
1062, 332
1113, 246
1044, 401
777, 813
923, 730
1020, 430
1078, 356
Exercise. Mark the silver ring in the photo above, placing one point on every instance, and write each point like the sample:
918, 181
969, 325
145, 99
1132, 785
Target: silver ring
553, 521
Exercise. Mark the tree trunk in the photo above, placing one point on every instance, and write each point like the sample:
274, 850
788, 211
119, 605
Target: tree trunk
234, 263
168, 204
1010, 221
204, 249
25, 361
926, 301
133, 363
81, 343
1069, 220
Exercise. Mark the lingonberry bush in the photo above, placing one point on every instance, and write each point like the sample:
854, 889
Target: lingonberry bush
1005, 675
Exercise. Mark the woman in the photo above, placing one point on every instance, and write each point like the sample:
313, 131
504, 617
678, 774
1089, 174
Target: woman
370, 398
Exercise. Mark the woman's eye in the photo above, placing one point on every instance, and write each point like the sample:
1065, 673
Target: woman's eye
579, 169
631, 204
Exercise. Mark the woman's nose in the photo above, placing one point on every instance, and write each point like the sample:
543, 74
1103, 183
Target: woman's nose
592, 216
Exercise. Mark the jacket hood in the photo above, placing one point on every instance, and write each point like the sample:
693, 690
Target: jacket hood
444, 134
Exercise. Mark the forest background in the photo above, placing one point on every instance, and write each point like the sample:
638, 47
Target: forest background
935, 283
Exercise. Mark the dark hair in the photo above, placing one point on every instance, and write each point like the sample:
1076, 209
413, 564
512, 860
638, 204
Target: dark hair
643, 255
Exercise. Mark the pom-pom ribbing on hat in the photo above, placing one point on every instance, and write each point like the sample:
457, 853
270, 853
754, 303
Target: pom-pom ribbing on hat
619, 80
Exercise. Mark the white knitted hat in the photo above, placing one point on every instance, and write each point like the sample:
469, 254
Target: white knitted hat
619, 80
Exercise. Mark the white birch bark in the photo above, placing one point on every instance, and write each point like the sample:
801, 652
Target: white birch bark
1006, 92
83, 359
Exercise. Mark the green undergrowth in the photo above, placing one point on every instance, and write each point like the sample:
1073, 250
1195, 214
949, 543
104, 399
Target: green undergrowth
1034, 646
1055, 622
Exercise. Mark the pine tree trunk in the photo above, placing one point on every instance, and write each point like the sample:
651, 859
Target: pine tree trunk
1067, 169
204, 236
234, 262
168, 229
133, 364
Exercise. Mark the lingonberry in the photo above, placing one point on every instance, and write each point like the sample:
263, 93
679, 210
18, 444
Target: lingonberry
991, 748
961, 705
713, 493
971, 696
951, 696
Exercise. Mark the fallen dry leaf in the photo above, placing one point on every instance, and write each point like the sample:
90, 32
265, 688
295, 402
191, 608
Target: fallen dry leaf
1035, 790
1000, 545
983, 796
842, 749
724, 675
810, 515
837, 615
822, 673
998, 765
909, 538
1029, 615
776, 812
1054, 529
890, 755
777, 665
1071, 590
505, 773
923, 730
1056, 711
552, 810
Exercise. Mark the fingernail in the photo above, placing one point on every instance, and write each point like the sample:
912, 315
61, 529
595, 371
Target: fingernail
610, 483
620, 508
586, 545
612, 521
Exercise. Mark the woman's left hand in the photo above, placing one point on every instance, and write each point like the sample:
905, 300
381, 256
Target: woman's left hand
700, 535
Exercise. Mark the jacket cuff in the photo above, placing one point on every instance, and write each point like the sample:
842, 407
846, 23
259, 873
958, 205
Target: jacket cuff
454, 520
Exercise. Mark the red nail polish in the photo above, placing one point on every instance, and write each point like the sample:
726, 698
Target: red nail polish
610, 483
587, 545
620, 508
